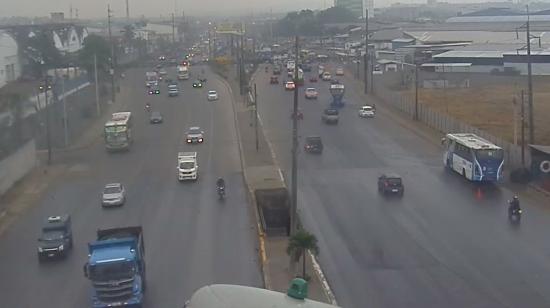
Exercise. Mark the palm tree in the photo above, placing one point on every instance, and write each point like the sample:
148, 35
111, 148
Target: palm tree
298, 244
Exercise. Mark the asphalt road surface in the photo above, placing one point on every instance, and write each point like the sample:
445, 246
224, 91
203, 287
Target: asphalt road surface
191, 238
446, 243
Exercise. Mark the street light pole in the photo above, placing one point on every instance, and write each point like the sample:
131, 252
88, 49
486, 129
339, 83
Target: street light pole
256, 117
47, 110
112, 70
294, 187
416, 92
366, 61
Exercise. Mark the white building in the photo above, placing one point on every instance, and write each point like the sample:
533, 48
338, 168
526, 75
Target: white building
10, 67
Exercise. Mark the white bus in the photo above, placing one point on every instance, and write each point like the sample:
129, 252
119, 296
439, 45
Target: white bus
118, 131
475, 158
183, 72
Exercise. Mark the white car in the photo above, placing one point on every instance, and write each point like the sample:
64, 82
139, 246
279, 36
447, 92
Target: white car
339, 71
195, 135
311, 93
327, 76
366, 112
289, 85
113, 194
212, 95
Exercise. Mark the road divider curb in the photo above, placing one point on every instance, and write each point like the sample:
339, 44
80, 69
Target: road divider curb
262, 255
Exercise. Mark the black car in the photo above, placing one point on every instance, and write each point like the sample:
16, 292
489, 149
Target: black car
156, 117
154, 90
313, 144
330, 116
197, 84
390, 183
56, 238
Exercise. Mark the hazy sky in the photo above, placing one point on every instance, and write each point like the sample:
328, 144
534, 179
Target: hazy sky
98, 8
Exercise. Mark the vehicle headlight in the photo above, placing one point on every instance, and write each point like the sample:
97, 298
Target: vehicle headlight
188, 140
40, 249
61, 247
200, 139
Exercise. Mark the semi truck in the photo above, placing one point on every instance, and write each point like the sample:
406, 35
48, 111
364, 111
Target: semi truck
116, 267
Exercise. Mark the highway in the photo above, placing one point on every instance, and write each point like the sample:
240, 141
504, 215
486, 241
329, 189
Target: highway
191, 238
446, 243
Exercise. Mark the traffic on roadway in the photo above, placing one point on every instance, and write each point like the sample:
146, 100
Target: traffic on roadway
402, 221
123, 225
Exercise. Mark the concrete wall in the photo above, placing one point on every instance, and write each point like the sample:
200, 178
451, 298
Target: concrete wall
17, 165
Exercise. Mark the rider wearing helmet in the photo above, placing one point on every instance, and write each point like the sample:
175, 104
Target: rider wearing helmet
514, 205
220, 183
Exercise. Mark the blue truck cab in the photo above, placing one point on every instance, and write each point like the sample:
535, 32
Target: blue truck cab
116, 268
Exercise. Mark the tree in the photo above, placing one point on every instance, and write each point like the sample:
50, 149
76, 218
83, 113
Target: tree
336, 14
299, 244
42, 50
97, 46
15, 105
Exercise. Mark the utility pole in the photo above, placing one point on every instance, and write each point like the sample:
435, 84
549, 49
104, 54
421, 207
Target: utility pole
112, 70
256, 117
372, 58
127, 12
241, 68
294, 188
366, 62
271, 25
45, 89
98, 108
173, 30
522, 129
416, 92
530, 83
209, 41
65, 122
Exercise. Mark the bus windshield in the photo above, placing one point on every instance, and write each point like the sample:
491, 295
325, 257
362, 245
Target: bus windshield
496, 154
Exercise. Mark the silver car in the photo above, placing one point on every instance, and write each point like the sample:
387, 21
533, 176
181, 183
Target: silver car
212, 95
114, 194
195, 135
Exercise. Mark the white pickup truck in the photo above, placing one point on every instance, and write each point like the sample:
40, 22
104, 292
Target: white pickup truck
188, 167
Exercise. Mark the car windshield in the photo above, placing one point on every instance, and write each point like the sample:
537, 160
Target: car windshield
367, 108
111, 270
155, 114
394, 181
313, 141
187, 165
310, 90
496, 154
111, 190
194, 131
52, 235
331, 112
212, 92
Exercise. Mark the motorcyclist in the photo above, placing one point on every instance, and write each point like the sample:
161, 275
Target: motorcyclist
147, 106
514, 206
220, 183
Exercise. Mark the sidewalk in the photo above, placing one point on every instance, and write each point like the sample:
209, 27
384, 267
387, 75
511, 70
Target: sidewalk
272, 250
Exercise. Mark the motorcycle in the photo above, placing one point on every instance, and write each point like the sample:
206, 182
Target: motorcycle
514, 215
147, 107
221, 192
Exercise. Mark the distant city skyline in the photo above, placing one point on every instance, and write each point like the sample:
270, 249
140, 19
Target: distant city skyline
98, 8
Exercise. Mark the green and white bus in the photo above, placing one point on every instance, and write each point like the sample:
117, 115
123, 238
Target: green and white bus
118, 131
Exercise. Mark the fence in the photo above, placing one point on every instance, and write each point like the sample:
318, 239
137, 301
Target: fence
441, 122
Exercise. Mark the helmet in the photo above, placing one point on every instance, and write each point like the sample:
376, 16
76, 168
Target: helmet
515, 198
